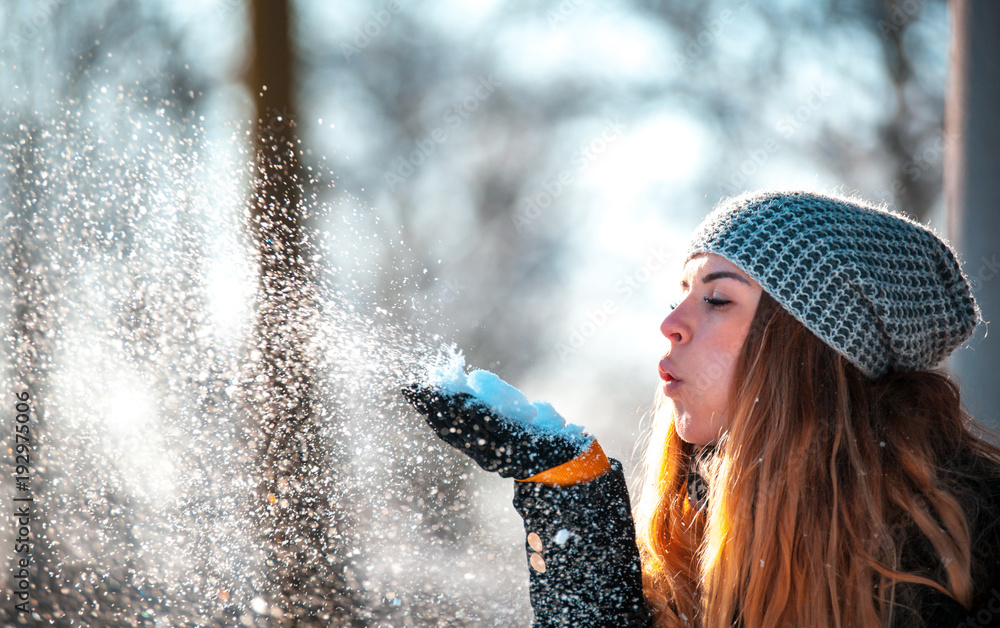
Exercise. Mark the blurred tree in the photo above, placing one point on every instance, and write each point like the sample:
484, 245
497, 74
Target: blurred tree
918, 119
56, 57
973, 188
300, 528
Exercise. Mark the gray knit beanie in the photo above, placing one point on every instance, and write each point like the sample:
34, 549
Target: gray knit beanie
882, 290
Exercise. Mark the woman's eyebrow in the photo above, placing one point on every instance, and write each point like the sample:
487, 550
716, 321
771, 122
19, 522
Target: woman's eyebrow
722, 274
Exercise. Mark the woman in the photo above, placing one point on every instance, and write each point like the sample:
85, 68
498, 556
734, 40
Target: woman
807, 466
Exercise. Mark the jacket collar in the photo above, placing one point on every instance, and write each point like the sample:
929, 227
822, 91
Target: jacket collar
697, 486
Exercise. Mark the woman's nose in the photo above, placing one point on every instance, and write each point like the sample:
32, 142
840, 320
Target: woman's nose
673, 328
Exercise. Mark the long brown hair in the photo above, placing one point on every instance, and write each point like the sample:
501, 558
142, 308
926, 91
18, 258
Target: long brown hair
819, 481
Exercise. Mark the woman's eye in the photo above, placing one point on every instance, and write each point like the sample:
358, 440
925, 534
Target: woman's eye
673, 306
717, 304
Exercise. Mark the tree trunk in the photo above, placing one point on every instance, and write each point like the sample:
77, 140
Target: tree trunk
972, 188
295, 478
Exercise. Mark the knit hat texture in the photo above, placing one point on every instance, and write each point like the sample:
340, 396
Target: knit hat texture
882, 290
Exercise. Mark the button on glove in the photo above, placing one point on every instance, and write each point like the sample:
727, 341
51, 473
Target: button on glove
512, 447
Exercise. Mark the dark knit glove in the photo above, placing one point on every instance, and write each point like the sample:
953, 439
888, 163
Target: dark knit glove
512, 448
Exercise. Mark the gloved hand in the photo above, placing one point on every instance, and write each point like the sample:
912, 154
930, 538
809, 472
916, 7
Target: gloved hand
513, 448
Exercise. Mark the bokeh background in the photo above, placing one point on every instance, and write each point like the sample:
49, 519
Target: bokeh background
516, 178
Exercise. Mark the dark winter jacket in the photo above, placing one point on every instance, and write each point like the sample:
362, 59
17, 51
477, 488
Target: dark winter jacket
582, 554
980, 499
585, 570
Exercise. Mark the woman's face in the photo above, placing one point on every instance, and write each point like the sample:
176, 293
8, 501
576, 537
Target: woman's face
705, 333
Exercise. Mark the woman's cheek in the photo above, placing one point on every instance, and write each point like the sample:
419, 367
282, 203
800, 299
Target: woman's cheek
716, 370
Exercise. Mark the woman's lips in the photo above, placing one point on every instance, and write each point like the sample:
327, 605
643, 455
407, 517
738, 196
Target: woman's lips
670, 382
